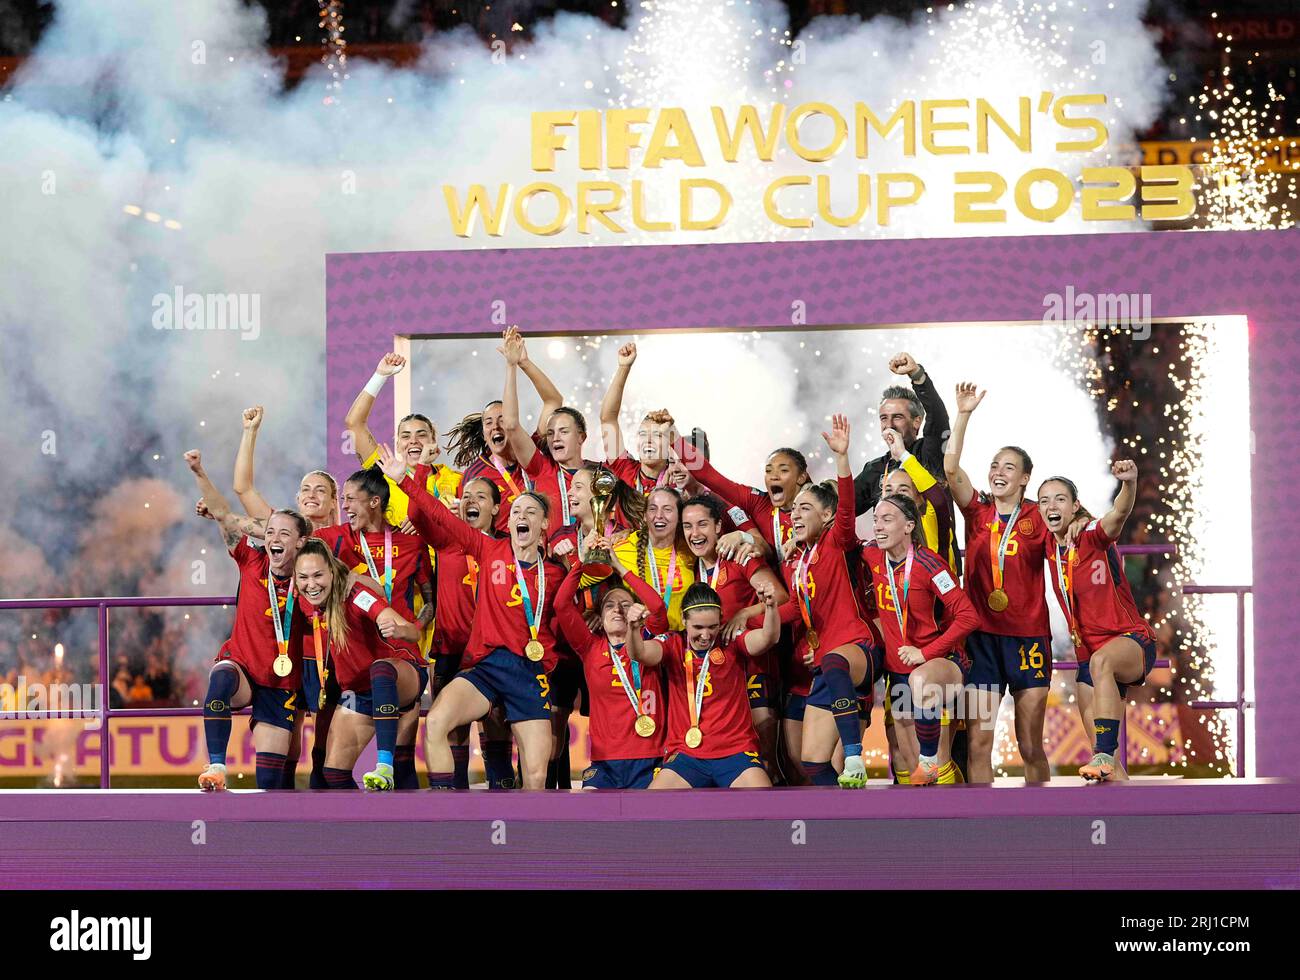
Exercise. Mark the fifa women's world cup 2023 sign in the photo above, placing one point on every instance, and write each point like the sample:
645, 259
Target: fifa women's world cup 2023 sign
642, 140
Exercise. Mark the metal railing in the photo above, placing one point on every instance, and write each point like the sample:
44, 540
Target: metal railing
105, 712
102, 605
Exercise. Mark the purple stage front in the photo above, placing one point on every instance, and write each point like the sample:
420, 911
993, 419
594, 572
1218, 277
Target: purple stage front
1159, 834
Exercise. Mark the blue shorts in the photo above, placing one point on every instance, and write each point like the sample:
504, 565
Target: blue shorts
620, 774
759, 689
794, 705
1148, 646
363, 704
898, 692
310, 686
705, 773
275, 706
819, 695
1018, 663
514, 682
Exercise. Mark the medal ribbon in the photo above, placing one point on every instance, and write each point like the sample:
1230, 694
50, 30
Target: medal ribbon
695, 686
1066, 584
654, 572
561, 478
998, 546
534, 621
632, 687
776, 534
499, 465
704, 576
900, 609
388, 561
802, 569
321, 670
282, 629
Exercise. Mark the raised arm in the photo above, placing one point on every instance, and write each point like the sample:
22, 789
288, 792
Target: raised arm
733, 494
922, 478
363, 440
512, 349
837, 440
936, 419
759, 641
612, 403
959, 484
572, 627
254, 503
431, 520
1112, 522
216, 505
647, 652
545, 388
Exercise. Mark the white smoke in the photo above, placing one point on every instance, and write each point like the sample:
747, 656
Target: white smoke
116, 108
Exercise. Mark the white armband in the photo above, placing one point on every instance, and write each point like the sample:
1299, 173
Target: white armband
376, 384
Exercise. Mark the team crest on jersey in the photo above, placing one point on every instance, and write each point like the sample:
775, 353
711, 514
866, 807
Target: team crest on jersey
1026, 526
717, 657
588, 774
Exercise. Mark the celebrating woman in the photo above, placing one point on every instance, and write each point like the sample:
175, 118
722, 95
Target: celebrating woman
1110, 636
830, 636
925, 616
260, 663
710, 739
369, 650
737, 584
1006, 543
627, 710
654, 435
511, 649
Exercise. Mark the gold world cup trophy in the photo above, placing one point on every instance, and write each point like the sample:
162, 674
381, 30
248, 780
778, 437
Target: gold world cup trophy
597, 560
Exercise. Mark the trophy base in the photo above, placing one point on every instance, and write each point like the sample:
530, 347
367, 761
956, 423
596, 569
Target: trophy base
598, 566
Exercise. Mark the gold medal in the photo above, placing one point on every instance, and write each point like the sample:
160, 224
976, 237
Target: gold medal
534, 650
694, 737
998, 600
645, 726
813, 639
322, 700
283, 666
717, 657
1076, 639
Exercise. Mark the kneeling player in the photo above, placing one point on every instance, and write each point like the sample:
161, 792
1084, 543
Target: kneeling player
710, 739
373, 656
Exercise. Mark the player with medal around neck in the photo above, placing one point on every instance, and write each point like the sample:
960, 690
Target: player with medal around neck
625, 700
370, 651
251, 666
1006, 546
511, 649
835, 641
626, 506
737, 582
710, 739
1113, 641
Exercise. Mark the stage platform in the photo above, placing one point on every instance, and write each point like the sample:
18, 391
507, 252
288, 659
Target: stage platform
1157, 834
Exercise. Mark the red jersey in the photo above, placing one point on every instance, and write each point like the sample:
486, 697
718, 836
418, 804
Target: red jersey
411, 565
771, 522
1022, 568
938, 617
733, 582
1103, 605
629, 471
512, 481
613, 735
252, 642
822, 587
724, 713
552, 479
456, 581
351, 665
500, 619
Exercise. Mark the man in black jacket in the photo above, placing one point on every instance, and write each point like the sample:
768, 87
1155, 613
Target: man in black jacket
904, 410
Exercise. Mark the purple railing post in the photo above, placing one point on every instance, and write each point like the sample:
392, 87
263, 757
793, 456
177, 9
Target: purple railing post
1241, 685
105, 742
